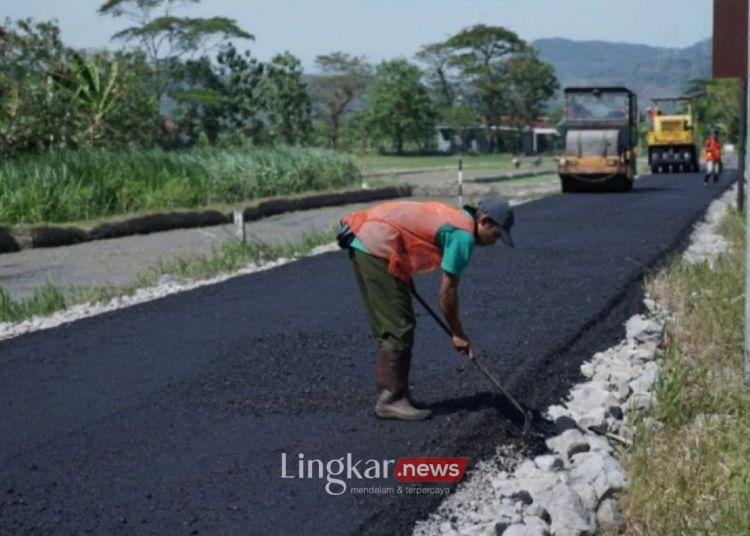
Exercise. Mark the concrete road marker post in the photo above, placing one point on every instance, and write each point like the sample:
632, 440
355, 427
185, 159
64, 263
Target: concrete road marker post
239, 224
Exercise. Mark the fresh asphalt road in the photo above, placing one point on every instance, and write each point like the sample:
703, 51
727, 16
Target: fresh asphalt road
171, 417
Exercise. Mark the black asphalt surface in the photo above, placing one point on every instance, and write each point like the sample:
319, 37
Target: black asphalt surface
171, 417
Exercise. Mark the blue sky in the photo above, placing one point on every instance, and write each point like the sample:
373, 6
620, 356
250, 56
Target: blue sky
382, 29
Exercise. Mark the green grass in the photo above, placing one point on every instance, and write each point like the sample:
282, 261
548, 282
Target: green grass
693, 477
45, 300
233, 255
226, 258
391, 164
68, 186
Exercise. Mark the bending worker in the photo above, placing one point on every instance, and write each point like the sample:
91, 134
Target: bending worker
712, 156
388, 244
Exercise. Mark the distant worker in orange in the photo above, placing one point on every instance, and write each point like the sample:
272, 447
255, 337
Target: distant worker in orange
712, 156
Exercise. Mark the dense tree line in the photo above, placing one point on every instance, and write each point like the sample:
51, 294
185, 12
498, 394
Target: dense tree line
716, 106
484, 76
182, 81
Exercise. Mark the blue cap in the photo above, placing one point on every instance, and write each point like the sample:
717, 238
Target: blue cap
498, 209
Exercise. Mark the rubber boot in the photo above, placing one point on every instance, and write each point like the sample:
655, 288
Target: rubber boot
393, 388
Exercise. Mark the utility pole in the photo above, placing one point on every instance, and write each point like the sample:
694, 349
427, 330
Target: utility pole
744, 166
742, 146
731, 59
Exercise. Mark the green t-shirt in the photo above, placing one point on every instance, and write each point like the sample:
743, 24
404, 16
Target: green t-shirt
457, 245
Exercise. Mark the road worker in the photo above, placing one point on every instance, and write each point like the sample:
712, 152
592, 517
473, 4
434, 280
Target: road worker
389, 243
712, 156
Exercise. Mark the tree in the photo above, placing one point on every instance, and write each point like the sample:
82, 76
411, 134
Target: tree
227, 95
242, 77
439, 60
343, 79
201, 94
715, 106
238, 98
10, 103
165, 37
134, 120
480, 53
355, 132
34, 112
530, 84
287, 102
480, 49
54, 97
398, 105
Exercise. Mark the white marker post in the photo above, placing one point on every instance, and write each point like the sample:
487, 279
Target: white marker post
460, 183
239, 225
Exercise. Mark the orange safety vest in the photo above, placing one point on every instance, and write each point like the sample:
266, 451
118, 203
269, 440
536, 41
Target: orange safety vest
712, 152
403, 233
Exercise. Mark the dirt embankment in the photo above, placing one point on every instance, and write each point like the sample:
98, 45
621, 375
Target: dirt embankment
53, 236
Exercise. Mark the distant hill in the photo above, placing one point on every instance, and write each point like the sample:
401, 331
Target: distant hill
649, 71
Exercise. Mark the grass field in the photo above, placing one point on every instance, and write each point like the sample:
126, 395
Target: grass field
489, 162
693, 477
83, 185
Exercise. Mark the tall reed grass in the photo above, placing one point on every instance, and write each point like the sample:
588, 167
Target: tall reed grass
69, 186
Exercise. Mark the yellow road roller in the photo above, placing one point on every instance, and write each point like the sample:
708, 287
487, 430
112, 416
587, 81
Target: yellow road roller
600, 135
671, 137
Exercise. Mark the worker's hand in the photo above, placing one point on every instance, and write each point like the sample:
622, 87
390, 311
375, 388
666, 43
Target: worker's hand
463, 346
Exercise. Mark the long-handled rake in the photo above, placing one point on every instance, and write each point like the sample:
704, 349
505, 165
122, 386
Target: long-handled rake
528, 415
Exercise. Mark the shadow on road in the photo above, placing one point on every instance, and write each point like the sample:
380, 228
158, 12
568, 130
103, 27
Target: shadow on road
506, 413
647, 189
478, 402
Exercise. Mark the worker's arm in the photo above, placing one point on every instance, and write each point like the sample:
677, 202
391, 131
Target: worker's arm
449, 306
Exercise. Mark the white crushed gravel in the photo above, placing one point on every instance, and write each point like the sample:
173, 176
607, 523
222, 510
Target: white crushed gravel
706, 244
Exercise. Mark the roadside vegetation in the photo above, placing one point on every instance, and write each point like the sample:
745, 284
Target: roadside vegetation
144, 127
715, 106
65, 186
205, 90
224, 259
373, 163
693, 477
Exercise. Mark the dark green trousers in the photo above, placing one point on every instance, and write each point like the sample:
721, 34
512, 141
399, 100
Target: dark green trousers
387, 301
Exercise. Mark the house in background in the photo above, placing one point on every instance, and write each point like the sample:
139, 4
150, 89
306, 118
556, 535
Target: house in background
536, 138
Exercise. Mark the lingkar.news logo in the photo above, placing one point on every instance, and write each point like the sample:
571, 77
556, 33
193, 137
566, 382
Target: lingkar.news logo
338, 472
